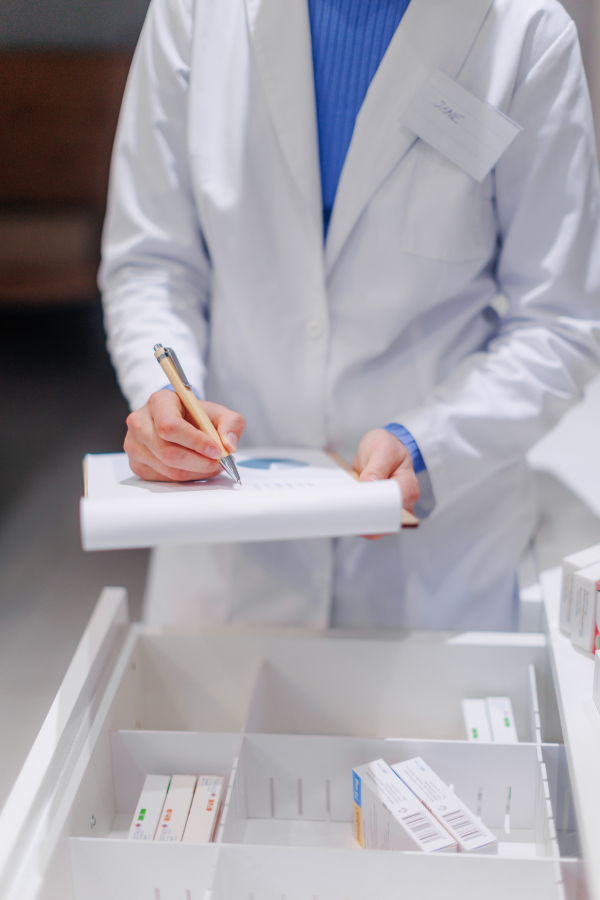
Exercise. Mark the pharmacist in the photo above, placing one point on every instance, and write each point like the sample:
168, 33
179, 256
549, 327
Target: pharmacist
324, 272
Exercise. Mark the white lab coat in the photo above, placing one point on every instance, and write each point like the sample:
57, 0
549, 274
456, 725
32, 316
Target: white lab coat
214, 246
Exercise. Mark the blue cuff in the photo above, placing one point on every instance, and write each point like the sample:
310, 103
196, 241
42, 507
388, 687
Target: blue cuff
409, 442
169, 387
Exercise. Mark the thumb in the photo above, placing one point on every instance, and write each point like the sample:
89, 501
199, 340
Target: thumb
376, 470
379, 465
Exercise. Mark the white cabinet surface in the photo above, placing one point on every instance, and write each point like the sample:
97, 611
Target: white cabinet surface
284, 715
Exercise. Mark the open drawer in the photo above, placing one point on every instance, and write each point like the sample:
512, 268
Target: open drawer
284, 715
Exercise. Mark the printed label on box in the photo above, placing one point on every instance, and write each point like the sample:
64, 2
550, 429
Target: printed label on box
150, 805
204, 814
176, 808
447, 808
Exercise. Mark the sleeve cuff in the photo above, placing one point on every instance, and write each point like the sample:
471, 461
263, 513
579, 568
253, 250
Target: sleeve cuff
169, 387
409, 442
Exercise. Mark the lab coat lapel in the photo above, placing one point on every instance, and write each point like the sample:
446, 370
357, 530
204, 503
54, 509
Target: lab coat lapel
433, 34
280, 34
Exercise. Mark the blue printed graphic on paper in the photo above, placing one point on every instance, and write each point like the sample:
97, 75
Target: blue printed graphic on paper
269, 462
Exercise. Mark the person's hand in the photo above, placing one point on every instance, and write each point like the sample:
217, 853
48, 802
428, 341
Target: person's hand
380, 455
162, 445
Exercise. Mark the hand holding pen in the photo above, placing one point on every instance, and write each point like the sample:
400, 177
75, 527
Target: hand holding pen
163, 444
171, 366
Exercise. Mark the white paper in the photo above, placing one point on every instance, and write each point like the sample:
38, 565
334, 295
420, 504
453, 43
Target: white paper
291, 494
469, 132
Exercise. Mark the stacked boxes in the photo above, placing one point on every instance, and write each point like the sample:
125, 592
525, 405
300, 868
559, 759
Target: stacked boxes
584, 590
388, 816
570, 565
408, 807
178, 808
470, 835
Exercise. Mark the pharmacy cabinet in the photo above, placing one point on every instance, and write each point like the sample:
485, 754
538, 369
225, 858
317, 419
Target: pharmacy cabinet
284, 715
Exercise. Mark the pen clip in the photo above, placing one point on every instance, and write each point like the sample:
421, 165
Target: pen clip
167, 351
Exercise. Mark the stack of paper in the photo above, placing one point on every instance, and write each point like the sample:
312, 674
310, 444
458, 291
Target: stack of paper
284, 494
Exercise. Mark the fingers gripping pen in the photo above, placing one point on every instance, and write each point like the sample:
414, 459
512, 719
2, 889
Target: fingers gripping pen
172, 369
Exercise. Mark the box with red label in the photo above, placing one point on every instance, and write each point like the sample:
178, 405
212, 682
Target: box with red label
585, 591
204, 814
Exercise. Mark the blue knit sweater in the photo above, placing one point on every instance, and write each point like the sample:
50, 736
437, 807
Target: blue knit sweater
349, 40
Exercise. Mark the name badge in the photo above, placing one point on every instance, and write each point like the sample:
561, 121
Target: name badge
466, 130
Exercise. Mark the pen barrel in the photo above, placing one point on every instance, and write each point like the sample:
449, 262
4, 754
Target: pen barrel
194, 408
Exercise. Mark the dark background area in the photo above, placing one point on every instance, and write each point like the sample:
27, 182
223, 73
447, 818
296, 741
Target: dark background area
57, 390
71, 23
63, 66
58, 400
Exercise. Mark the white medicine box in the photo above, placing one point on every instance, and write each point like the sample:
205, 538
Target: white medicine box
284, 717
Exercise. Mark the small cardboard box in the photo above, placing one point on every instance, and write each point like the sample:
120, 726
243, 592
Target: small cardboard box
388, 816
447, 808
570, 565
583, 617
204, 814
502, 720
176, 808
477, 723
149, 807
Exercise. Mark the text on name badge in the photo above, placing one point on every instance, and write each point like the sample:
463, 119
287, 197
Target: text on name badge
448, 111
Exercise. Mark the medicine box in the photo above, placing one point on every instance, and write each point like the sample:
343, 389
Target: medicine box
583, 620
149, 808
388, 816
502, 720
570, 565
176, 808
477, 723
204, 814
447, 808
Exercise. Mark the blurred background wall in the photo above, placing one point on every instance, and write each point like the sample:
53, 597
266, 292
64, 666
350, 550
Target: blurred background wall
586, 14
87, 24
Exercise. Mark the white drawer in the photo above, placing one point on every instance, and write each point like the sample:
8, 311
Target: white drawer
285, 715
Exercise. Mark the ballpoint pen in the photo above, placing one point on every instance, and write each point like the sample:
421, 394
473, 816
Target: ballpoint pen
171, 366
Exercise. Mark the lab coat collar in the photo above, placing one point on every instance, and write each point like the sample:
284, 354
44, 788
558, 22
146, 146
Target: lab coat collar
433, 34
280, 35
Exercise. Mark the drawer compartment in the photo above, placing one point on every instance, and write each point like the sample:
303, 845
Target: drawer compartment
406, 687
266, 873
284, 716
286, 828
113, 870
298, 790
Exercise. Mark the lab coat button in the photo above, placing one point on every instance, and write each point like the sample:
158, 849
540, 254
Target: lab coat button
314, 329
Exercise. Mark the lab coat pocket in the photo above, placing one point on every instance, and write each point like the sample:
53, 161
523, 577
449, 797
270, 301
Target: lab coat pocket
449, 216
